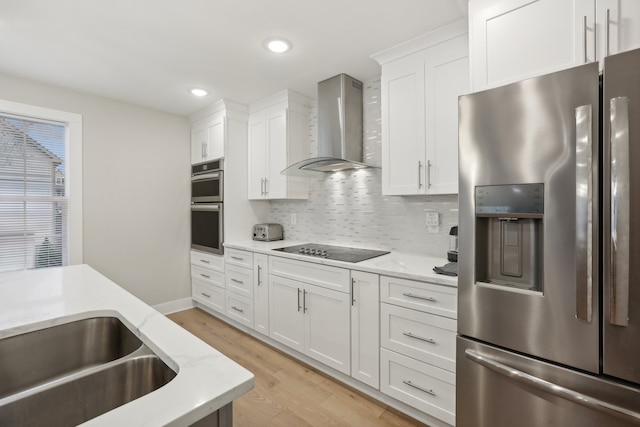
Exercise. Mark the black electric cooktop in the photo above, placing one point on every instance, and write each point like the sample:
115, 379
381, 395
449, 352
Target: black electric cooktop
338, 253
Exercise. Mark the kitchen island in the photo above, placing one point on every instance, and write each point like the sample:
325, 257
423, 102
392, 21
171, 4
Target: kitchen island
206, 380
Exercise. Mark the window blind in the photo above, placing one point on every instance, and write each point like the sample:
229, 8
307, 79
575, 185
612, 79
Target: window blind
33, 204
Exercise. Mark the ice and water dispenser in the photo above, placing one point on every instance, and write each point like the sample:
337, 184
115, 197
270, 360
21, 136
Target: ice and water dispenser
509, 232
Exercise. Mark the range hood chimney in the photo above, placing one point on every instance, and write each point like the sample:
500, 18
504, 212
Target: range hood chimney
339, 128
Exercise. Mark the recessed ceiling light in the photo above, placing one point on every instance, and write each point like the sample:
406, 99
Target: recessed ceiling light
199, 92
277, 45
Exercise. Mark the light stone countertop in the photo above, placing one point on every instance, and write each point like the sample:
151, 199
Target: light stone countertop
396, 264
206, 380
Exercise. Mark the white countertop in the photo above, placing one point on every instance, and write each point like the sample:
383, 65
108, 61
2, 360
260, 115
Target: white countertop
397, 264
206, 380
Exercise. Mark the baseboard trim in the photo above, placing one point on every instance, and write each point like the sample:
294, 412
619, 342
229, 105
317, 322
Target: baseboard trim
174, 306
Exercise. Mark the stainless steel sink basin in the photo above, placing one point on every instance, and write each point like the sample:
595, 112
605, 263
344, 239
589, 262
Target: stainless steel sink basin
69, 374
32, 358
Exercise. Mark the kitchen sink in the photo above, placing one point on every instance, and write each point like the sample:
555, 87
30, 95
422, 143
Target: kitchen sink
68, 374
32, 358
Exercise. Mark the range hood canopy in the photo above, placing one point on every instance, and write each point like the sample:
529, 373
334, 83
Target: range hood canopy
339, 129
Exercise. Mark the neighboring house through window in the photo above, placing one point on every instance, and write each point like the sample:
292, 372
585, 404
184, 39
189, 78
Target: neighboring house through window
40, 187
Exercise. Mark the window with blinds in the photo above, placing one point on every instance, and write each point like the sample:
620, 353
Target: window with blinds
33, 203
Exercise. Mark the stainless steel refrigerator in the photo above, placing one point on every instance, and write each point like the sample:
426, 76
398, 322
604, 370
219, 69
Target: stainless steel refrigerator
549, 250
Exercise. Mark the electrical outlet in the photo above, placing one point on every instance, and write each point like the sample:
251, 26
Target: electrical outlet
432, 222
294, 219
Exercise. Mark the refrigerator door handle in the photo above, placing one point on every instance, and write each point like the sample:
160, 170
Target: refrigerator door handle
584, 212
554, 389
620, 211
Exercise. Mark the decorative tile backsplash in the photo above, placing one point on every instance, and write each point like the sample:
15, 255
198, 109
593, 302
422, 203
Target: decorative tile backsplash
348, 207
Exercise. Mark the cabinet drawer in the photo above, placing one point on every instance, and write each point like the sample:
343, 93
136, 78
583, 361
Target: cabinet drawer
203, 259
427, 297
240, 309
425, 387
211, 296
423, 336
316, 274
240, 280
239, 258
209, 276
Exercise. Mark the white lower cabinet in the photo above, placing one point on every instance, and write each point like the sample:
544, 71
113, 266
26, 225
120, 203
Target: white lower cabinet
311, 319
418, 324
207, 280
326, 321
427, 388
365, 328
261, 293
207, 294
240, 308
394, 335
239, 286
286, 319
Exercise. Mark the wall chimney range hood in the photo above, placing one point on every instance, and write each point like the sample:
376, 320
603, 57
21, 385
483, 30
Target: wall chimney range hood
339, 129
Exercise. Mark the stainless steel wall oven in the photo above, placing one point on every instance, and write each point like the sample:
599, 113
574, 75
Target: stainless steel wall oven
207, 207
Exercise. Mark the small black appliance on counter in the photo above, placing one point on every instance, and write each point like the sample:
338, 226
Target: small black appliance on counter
451, 268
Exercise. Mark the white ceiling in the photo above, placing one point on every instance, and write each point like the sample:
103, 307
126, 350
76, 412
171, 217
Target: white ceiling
151, 52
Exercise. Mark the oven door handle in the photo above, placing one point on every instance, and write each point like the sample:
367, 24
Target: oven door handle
552, 388
206, 206
205, 176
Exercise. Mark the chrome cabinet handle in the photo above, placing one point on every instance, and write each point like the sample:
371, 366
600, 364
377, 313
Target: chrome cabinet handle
237, 309
304, 302
410, 295
429, 173
205, 295
428, 391
299, 306
620, 211
266, 186
259, 279
584, 38
410, 335
205, 276
419, 174
237, 281
606, 33
353, 297
262, 186
584, 212
205, 261
551, 388
237, 258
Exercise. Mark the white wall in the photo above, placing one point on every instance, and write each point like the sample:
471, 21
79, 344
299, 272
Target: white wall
136, 189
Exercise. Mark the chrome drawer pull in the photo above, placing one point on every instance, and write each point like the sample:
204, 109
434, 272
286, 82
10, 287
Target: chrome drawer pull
205, 276
237, 281
205, 261
237, 309
237, 258
406, 294
410, 335
428, 391
205, 295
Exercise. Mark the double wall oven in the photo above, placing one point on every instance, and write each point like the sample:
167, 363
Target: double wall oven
207, 206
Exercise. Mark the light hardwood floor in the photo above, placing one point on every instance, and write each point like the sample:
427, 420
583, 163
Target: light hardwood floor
286, 392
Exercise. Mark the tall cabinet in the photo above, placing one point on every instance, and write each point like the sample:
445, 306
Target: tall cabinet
278, 137
421, 81
515, 39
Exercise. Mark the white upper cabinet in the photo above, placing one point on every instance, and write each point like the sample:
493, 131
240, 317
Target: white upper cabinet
515, 39
278, 137
421, 81
617, 26
207, 139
